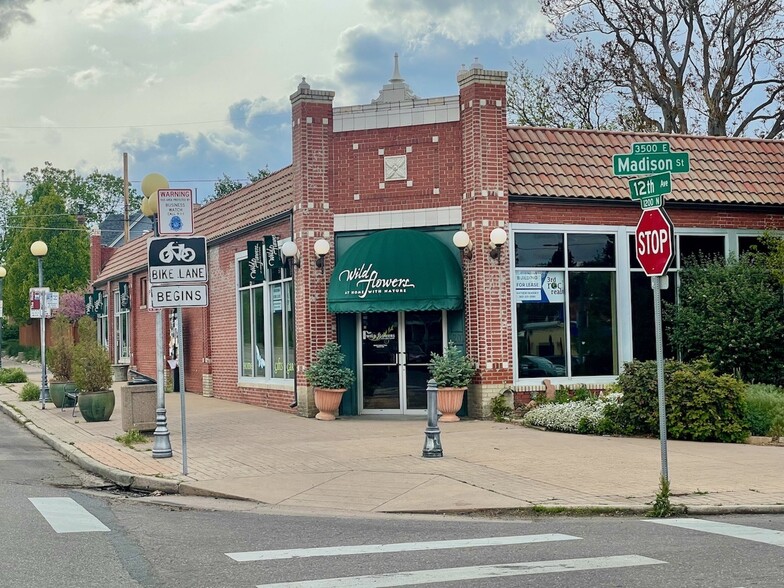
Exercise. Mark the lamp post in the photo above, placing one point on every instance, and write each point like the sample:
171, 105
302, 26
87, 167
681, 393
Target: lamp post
2, 276
39, 249
161, 446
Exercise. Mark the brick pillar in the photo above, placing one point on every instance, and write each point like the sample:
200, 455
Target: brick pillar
311, 135
485, 206
96, 255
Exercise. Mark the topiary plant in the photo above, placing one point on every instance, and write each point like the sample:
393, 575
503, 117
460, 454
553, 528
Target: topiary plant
451, 369
328, 371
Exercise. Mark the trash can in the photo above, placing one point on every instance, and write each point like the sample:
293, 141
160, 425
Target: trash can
139, 402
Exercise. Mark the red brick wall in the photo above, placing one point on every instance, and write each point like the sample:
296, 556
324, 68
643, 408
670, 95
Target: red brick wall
485, 207
590, 213
433, 161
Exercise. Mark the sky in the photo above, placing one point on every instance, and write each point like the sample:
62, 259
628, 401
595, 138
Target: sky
194, 89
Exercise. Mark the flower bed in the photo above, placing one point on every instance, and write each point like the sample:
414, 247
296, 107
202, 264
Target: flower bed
580, 416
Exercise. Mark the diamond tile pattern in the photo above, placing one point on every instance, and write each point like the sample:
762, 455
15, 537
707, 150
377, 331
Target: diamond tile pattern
578, 164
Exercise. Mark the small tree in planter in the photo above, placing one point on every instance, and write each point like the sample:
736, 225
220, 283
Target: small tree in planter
330, 379
60, 360
452, 372
93, 374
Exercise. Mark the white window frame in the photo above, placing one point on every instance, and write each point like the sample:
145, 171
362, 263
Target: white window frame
286, 383
122, 316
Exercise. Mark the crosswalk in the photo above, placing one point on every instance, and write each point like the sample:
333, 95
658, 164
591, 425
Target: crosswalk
65, 515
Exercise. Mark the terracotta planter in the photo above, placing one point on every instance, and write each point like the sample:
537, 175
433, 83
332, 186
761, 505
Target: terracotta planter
57, 392
96, 406
449, 402
328, 402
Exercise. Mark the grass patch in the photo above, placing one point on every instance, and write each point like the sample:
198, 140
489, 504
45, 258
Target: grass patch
12, 376
30, 392
130, 438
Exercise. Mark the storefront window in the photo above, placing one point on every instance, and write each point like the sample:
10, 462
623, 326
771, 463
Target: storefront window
266, 323
566, 314
122, 330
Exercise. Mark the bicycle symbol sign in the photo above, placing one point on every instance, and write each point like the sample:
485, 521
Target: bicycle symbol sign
177, 260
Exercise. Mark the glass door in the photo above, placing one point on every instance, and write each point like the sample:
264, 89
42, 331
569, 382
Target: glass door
380, 349
395, 349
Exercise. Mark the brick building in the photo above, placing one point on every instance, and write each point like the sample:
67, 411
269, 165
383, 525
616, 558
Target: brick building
556, 292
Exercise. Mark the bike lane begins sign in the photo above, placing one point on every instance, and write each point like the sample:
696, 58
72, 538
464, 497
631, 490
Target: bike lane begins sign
174, 260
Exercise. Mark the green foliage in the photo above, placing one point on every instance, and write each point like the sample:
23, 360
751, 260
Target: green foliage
59, 357
500, 408
67, 263
701, 405
92, 367
30, 392
451, 369
328, 371
131, 437
764, 403
732, 313
661, 505
12, 376
226, 185
32, 353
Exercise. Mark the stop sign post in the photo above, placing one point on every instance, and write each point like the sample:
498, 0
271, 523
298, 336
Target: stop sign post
653, 242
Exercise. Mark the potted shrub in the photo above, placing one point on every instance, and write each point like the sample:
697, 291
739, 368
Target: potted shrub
92, 373
452, 372
59, 360
329, 379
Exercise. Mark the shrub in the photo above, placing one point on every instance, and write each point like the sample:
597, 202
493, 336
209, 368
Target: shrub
763, 403
701, 405
32, 353
92, 369
327, 371
731, 312
500, 408
59, 358
452, 369
29, 392
579, 416
12, 376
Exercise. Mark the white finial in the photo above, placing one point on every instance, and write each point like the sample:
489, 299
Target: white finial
462, 69
476, 64
396, 74
303, 85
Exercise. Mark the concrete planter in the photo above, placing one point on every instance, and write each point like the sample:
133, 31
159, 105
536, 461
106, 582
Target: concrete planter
450, 400
328, 402
120, 372
138, 402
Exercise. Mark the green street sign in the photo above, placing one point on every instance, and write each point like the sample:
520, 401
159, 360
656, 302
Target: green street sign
650, 202
654, 185
650, 158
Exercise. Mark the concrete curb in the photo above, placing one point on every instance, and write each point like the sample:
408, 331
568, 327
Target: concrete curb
120, 478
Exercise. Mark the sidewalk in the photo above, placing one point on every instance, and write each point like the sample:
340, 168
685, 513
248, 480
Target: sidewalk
365, 464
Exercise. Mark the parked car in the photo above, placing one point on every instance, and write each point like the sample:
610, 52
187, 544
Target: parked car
533, 366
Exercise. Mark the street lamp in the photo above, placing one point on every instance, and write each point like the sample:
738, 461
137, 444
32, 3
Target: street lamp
161, 445
2, 276
39, 250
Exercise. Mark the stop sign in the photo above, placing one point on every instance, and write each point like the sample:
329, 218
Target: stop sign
653, 241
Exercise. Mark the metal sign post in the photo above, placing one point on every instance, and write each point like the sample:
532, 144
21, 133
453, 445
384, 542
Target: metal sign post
656, 284
181, 370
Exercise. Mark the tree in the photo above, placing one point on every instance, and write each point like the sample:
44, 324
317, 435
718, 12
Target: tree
676, 66
66, 267
730, 311
95, 195
227, 185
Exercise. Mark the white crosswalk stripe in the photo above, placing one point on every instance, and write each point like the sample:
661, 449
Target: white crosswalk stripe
738, 531
473, 572
396, 547
65, 515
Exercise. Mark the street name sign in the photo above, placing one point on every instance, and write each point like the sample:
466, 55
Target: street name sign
650, 158
653, 242
649, 190
178, 295
175, 211
172, 260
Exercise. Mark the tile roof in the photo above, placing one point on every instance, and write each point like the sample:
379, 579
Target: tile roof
578, 164
229, 214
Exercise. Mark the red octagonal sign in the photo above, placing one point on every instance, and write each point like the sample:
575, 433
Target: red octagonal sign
653, 241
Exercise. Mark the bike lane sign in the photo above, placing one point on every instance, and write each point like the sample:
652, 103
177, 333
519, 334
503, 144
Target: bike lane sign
176, 260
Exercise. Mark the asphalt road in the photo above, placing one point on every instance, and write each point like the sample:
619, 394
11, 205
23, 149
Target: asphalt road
55, 533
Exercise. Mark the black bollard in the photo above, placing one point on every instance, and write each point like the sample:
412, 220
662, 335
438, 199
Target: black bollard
432, 432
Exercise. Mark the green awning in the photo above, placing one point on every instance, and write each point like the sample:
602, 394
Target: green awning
397, 269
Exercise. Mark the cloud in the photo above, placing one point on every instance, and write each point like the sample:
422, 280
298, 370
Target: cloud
469, 22
13, 80
13, 12
86, 77
249, 114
